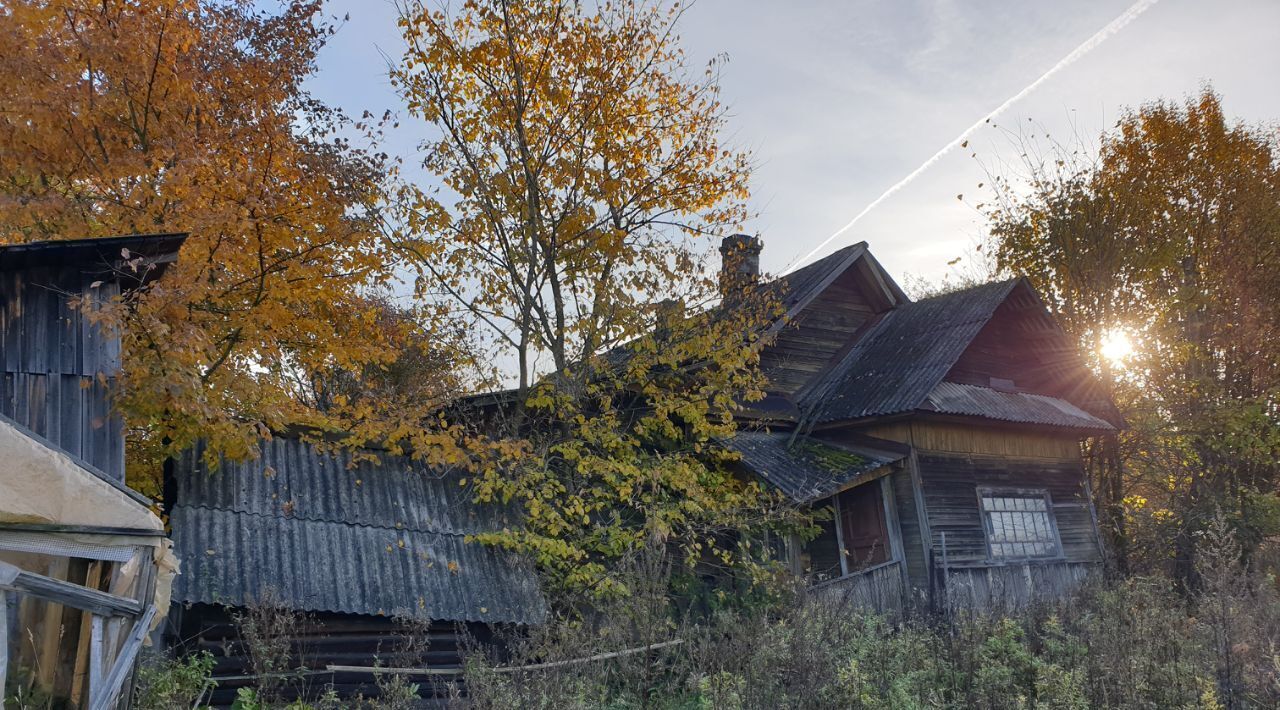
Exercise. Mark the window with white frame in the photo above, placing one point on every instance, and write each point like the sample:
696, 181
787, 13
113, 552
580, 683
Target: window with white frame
1019, 523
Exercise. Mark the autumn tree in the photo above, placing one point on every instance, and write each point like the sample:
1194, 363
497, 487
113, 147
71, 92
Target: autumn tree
140, 116
583, 181
1172, 235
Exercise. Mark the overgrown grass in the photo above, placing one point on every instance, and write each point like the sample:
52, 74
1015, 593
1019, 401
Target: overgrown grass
1135, 643
1129, 644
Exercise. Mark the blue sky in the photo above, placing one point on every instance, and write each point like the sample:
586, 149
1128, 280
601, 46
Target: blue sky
841, 99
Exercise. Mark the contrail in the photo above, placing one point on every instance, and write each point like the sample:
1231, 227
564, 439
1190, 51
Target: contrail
1125, 18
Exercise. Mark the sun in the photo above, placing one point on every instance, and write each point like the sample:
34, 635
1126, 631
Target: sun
1116, 346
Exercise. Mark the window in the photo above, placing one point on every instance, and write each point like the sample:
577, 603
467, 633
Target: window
1019, 523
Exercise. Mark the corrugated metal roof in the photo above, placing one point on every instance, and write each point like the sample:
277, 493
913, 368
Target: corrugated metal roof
809, 469
954, 398
316, 530
900, 360
235, 558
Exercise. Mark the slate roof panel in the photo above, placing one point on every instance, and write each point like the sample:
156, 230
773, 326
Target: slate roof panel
808, 469
900, 360
955, 398
316, 530
236, 558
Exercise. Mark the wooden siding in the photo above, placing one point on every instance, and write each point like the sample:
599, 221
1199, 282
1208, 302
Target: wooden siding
881, 589
57, 366
950, 486
1010, 587
1021, 343
982, 438
807, 345
328, 639
41, 331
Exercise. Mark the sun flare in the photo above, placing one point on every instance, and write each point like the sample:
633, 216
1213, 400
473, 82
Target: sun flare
1116, 346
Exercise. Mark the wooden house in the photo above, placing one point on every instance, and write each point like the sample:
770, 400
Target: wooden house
942, 436
84, 563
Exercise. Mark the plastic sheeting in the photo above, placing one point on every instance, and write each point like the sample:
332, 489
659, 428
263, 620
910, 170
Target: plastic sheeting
41, 485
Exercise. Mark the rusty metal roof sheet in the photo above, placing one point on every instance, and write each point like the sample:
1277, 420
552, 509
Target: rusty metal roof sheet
381, 537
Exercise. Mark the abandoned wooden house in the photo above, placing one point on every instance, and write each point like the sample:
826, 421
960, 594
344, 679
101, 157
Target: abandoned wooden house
941, 436
85, 567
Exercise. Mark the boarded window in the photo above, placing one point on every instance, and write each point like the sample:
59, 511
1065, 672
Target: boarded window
1019, 523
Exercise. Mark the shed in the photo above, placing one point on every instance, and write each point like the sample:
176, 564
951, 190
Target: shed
85, 568
365, 546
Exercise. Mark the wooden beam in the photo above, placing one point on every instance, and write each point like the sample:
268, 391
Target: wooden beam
104, 696
66, 593
504, 669
4, 639
97, 651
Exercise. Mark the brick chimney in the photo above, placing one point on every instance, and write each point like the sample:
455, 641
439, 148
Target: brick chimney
739, 264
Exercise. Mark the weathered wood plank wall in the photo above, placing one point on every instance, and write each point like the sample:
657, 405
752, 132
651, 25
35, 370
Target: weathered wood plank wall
880, 589
1003, 588
57, 366
320, 640
807, 345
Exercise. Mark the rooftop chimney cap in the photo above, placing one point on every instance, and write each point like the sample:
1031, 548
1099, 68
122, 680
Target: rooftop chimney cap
750, 245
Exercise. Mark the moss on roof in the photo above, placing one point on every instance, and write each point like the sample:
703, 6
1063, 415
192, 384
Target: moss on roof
829, 458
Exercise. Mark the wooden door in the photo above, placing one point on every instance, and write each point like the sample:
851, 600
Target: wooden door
862, 526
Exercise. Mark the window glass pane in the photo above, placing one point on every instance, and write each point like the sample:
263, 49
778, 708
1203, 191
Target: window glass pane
1018, 524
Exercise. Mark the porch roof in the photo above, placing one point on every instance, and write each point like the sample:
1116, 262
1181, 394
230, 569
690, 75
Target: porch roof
809, 469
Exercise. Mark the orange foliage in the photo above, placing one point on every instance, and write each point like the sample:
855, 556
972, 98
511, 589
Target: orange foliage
140, 116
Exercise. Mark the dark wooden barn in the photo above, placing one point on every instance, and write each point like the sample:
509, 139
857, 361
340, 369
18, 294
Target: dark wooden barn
57, 365
84, 563
367, 556
943, 437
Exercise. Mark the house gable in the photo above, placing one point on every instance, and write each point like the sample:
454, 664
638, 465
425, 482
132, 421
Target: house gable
1022, 349
990, 351
826, 303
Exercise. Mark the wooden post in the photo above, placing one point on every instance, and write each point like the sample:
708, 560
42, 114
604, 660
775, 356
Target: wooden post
4, 639
93, 578
104, 696
96, 653
945, 574
898, 549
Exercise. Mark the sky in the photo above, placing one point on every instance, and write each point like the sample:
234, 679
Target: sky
838, 100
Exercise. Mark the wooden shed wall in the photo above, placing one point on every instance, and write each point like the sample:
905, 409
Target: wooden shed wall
316, 641
57, 366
